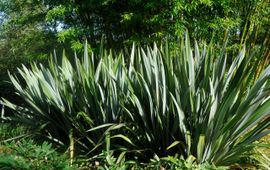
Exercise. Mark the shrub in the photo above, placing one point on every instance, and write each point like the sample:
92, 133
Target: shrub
188, 101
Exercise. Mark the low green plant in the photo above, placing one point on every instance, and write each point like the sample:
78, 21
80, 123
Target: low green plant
9, 133
104, 161
181, 163
25, 154
186, 101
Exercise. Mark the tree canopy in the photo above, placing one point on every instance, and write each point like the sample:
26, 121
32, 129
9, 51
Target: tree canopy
32, 28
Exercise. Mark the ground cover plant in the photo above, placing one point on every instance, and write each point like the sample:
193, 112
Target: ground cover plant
20, 150
189, 101
25, 154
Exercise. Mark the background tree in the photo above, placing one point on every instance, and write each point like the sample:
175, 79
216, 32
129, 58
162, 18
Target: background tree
122, 22
24, 37
146, 21
31, 29
24, 33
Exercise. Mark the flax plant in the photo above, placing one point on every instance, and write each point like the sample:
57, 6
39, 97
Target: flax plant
191, 101
187, 101
71, 103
